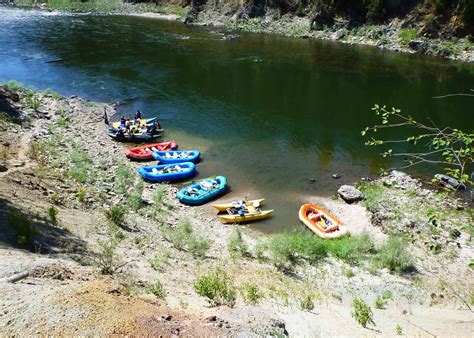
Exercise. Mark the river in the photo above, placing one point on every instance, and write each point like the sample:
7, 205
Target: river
278, 116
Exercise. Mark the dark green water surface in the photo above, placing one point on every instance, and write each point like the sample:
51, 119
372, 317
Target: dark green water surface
268, 112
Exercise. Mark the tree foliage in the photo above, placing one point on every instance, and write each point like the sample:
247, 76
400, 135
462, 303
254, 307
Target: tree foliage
450, 147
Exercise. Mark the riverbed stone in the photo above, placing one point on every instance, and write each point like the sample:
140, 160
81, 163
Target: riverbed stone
3, 166
350, 194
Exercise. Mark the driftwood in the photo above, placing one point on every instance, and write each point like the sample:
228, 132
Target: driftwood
16, 277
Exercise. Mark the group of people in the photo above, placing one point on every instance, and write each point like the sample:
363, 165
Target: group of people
136, 126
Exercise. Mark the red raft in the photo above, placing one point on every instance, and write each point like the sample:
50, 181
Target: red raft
145, 152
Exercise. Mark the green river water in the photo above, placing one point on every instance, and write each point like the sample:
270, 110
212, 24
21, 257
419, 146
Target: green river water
277, 116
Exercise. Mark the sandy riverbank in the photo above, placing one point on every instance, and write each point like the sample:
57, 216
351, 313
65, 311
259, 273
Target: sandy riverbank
61, 157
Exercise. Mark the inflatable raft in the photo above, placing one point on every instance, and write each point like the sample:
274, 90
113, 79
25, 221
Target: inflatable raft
243, 211
203, 191
145, 152
135, 137
321, 222
167, 172
176, 156
143, 123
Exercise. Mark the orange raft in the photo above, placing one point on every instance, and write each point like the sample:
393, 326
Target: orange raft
321, 222
145, 152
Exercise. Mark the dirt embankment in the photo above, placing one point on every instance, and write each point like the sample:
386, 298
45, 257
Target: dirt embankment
55, 155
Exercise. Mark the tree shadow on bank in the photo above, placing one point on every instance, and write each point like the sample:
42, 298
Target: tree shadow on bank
23, 229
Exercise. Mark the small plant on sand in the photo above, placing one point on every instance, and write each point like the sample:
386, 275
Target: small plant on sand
106, 257
124, 178
237, 246
53, 215
306, 303
135, 200
160, 259
80, 168
157, 289
348, 272
32, 101
217, 287
380, 303
393, 255
81, 194
21, 227
362, 313
250, 293
398, 330
116, 214
183, 238
115, 232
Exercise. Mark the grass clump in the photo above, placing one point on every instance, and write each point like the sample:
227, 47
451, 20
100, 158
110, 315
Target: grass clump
237, 246
157, 289
380, 303
289, 249
81, 169
106, 256
135, 200
393, 255
183, 238
251, 293
21, 226
116, 214
217, 287
362, 313
160, 259
373, 195
53, 215
306, 303
14, 85
124, 178
407, 34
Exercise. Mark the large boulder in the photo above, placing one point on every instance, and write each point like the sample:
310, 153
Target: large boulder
8, 101
350, 194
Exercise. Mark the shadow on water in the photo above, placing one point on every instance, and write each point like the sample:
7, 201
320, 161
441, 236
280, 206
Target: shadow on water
21, 229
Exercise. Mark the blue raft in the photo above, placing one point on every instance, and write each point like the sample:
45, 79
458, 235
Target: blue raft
176, 156
167, 172
203, 191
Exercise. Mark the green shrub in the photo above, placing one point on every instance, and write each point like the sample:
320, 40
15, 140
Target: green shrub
157, 289
407, 34
351, 249
362, 312
53, 215
106, 256
21, 226
306, 303
237, 246
250, 293
116, 214
394, 256
217, 287
115, 232
183, 238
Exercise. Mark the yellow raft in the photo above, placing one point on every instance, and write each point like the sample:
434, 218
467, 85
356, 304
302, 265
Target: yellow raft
251, 213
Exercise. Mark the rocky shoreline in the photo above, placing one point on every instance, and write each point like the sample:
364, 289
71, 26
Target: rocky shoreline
393, 35
90, 272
